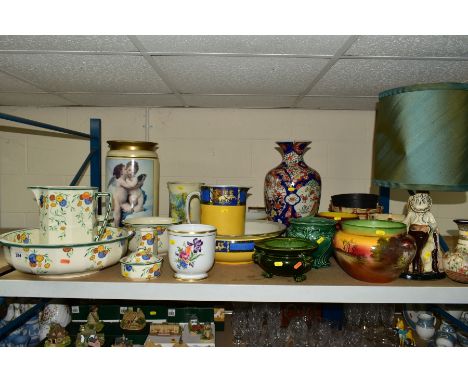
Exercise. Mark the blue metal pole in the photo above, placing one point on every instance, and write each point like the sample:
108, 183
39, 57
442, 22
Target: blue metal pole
82, 169
448, 317
20, 320
31, 122
384, 199
95, 149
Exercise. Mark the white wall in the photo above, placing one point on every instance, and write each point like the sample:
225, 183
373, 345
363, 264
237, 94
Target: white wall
235, 146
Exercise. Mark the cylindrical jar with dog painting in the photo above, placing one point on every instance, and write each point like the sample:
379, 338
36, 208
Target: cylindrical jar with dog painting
132, 177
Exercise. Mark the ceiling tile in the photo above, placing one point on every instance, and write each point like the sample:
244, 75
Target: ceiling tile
338, 103
25, 99
85, 73
360, 77
310, 45
240, 75
68, 43
137, 100
11, 84
430, 46
239, 101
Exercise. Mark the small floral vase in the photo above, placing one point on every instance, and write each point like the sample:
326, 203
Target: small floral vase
191, 250
456, 262
292, 189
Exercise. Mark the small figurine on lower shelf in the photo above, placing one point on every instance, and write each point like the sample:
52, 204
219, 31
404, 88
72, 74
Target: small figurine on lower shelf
57, 336
180, 343
123, 342
409, 340
194, 325
93, 319
89, 337
133, 320
401, 330
207, 334
150, 344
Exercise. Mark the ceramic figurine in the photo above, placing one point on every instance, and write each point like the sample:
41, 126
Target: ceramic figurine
53, 313
93, 319
409, 340
89, 337
207, 334
57, 336
132, 320
165, 329
401, 330
194, 325
123, 342
180, 343
422, 226
292, 189
150, 344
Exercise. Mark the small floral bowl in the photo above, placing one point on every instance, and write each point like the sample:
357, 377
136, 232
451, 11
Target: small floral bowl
140, 267
24, 251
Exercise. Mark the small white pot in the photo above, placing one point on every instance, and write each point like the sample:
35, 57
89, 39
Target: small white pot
191, 250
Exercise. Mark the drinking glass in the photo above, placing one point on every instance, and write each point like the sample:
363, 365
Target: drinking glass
239, 327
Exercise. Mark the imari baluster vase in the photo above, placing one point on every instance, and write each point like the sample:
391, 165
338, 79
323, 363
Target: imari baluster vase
292, 189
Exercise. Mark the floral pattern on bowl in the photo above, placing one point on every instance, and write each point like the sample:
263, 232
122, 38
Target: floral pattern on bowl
24, 251
132, 269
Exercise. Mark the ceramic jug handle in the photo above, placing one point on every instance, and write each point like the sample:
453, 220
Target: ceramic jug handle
187, 204
106, 217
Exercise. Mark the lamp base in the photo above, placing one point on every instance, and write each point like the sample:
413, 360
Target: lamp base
423, 276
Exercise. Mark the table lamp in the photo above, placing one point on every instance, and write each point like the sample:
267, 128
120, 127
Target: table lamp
421, 143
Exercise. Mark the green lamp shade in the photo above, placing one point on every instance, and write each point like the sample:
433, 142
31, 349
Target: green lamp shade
421, 138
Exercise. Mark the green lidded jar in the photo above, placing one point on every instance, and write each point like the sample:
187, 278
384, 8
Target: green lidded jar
319, 230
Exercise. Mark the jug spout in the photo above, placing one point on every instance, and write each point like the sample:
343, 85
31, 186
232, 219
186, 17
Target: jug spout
37, 191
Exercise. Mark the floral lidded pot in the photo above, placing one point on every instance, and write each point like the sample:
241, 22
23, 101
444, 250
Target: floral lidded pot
316, 229
292, 189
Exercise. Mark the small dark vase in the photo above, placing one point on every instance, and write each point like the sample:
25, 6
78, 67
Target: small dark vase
292, 189
282, 256
319, 230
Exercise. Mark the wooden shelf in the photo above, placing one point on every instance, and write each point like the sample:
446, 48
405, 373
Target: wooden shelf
234, 283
